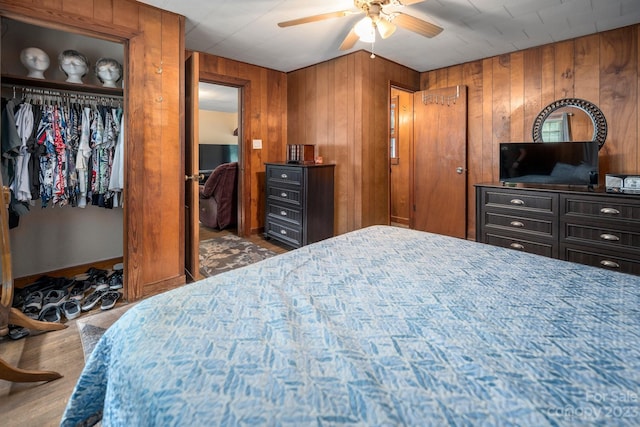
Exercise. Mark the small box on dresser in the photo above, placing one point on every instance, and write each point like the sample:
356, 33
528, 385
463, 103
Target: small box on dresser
299, 203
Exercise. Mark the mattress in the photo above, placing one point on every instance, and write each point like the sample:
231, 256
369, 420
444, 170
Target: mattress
377, 327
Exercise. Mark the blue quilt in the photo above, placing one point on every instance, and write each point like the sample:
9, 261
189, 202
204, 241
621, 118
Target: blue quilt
382, 326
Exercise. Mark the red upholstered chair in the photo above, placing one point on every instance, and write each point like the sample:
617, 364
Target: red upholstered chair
219, 197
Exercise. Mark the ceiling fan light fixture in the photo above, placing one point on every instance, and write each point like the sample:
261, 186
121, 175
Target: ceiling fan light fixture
366, 30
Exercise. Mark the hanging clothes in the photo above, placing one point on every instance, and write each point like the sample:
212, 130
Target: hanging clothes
63, 152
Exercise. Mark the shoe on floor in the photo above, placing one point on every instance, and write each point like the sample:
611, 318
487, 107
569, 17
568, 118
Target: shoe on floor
17, 332
54, 298
94, 297
50, 314
109, 300
33, 304
78, 289
71, 309
115, 280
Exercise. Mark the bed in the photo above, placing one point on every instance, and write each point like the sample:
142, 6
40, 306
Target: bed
381, 326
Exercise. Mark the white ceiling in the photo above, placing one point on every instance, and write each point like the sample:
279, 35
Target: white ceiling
247, 30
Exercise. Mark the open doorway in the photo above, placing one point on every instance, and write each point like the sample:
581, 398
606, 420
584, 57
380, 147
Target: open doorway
219, 130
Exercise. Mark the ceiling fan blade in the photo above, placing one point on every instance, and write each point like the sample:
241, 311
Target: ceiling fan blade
350, 40
315, 18
385, 28
416, 25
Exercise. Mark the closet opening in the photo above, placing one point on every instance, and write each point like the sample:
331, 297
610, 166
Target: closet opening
66, 209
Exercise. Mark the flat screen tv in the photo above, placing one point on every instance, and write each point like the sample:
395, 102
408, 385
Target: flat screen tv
555, 163
213, 155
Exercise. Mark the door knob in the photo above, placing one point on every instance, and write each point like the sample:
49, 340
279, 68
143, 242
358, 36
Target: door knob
459, 170
194, 177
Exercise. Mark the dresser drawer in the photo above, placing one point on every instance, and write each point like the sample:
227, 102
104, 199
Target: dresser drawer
284, 175
283, 194
525, 245
607, 260
520, 224
612, 209
544, 203
615, 239
284, 213
283, 231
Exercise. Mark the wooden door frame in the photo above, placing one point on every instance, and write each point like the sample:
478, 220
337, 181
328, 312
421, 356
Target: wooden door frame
244, 149
411, 90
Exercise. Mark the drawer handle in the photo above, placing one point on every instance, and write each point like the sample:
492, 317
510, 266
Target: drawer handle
610, 211
284, 176
283, 213
517, 224
610, 264
283, 232
283, 195
517, 202
609, 237
516, 246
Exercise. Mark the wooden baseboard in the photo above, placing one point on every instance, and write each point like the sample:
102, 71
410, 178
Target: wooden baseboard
398, 220
21, 282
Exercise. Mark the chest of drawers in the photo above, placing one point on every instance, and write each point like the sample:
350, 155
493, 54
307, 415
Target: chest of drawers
593, 228
299, 203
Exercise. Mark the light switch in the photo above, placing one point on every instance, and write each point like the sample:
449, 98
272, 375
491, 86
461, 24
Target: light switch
257, 144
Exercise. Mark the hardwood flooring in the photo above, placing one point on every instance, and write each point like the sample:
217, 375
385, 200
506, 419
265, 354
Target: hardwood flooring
42, 404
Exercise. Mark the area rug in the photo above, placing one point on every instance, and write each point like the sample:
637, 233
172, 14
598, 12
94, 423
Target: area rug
92, 326
228, 252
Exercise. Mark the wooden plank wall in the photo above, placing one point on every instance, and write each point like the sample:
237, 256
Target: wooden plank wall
507, 92
265, 118
154, 81
342, 106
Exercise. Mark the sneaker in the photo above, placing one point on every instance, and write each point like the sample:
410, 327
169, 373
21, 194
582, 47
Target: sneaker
50, 314
94, 297
109, 300
71, 309
115, 280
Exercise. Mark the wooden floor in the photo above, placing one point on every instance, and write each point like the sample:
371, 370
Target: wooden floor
42, 404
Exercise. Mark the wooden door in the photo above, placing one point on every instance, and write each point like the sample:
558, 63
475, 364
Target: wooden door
192, 223
440, 161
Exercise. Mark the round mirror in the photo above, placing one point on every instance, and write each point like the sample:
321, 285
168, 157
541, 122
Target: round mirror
570, 119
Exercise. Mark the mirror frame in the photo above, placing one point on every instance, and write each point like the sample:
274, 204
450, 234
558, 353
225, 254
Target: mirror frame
594, 113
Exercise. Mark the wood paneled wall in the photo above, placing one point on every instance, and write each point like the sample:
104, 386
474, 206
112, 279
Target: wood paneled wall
265, 118
154, 109
507, 92
342, 106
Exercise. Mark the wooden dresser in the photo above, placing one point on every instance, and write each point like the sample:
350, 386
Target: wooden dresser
299, 203
588, 227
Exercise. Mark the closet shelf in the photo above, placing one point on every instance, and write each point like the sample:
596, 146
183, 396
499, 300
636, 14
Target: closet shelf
62, 86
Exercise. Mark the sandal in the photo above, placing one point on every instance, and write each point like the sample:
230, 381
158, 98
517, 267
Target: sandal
71, 309
94, 297
109, 300
50, 314
33, 304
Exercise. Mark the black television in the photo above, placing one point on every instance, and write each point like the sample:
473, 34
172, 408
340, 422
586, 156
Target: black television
553, 163
213, 155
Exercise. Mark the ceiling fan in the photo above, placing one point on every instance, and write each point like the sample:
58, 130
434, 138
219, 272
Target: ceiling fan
377, 17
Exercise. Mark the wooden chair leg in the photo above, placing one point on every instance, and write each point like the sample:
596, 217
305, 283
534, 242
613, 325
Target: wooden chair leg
18, 318
10, 373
